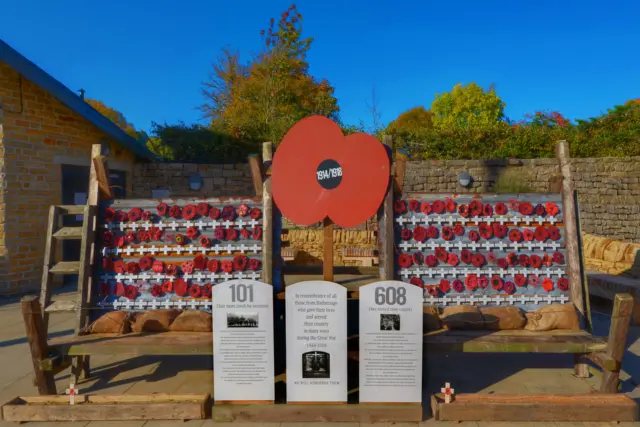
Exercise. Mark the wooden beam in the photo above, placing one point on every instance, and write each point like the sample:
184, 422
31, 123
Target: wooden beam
94, 188
327, 257
580, 366
385, 227
257, 173
398, 175
37, 337
338, 269
617, 343
569, 209
604, 361
543, 407
267, 219
99, 164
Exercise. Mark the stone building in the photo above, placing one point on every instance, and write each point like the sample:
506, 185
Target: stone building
46, 133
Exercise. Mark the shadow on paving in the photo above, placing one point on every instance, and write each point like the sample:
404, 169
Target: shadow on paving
23, 340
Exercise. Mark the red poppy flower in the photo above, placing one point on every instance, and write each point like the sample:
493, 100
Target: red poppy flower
514, 204
206, 290
107, 264
228, 213
405, 234
175, 212
155, 233
554, 233
458, 230
502, 263
525, 208
181, 287
540, 210
438, 207
512, 258
474, 236
541, 234
501, 208
130, 236
486, 230
500, 230
491, 257
145, 262
477, 260
205, 242
483, 282
417, 258
199, 262
405, 260
463, 210
171, 270
156, 290
419, 234
432, 232
450, 205
105, 289
254, 264
547, 284
523, 260
441, 254
533, 280
547, 260
416, 281
465, 256
119, 266
425, 208
487, 210
144, 236
509, 287
431, 261
317, 172
475, 208
109, 214
563, 284
520, 279
187, 267
496, 283
119, 289
432, 291
551, 208
400, 207
213, 265
132, 267
227, 266
167, 287
122, 216
189, 212
147, 216
240, 262
515, 235
471, 282
444, 286
107, 239
558, 258
180, 240
447, 233
255, 213
158, 266
243, 210
244, 234
218, 233
131, 292
414, 205
194, 291
457, 286
192, 232
231, 234
134, 214
214, 213
453, 260
256, 233
535, 261
202, 208
162, 209
527, 234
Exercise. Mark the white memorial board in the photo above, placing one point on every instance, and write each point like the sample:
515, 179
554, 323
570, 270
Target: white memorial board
316, 342
243, 341
390, 343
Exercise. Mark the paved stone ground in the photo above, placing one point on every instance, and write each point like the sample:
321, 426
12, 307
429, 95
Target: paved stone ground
517, 374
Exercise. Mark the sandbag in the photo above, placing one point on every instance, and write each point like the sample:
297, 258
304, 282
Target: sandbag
431, 318
554, 316
192, 321
154, 320
462, 317
114, 322
503, 318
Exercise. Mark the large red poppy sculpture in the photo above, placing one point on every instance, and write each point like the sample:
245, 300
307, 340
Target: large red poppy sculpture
318, 172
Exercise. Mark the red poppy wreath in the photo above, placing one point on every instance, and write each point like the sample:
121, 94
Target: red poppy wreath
317, 172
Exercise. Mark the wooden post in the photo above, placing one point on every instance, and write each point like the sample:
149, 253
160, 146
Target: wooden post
398, 175
267, 219
257, 174
580, 366
385, 226
327, 259
617, 342
37, 337
571, 232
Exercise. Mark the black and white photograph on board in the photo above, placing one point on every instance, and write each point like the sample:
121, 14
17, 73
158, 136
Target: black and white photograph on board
242, 320
389, 322
316, 364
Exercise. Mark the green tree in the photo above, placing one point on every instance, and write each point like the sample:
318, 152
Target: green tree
467, 106
413, 120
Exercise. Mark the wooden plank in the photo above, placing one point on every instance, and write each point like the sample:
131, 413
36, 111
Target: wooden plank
37, 338
604, 360
104, 189
65, 267
49, 256
71, 209
338, 269
617, 343
327, 247
398, 175
68, 233
571, 232
94, 189
109, 408
255, 166
61, 306
385, 227
507, 407
267, 219
85, 271
389, 413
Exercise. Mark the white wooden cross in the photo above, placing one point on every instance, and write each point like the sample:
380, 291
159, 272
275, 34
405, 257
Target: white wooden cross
242, 248
199, 276
255, 275
430, 272
432, 245
501, 245
405, 273
497, 299
439, 220
166, 249
159, 277
207, 304
121, 226
255, 247
523, 299
167, 304
214, 223
401, 220
550, 299
227, 276
116, 304
485, 299
513, 271
141, 250
128, 304
420, 246
459, 300
530, 245
448, 392
254, 223
108, 226
120, 277
454, 271
241, 222
154, 304
473, 245
161, 225
460, 245
490, 271
213, 276
487, 245
536, 299
147, 225
516, 245
179, 249
502, 219
451, 220
191, 249
563, 299
442, 272
540, 219
128, 250
502, 272
527, 219
227, 224
414, 220
405, 245
541, 245
187, 276
477, 220
151, 249
229, 247
134, 226
173, 224
552, 220
193, 304
489, 220
432, 299
240, 275
72, 391
554, 245
445, 300
189, 224
131, 278
201, 224
472, 299
144, 276
217, 248
140, 304
447, 245
511, 299
105, 251
417, 272
181, 304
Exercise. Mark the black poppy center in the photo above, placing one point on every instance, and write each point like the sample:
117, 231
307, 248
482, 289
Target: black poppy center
329, 174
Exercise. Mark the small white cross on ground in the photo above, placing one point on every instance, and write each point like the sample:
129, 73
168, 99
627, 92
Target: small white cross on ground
128, 250
193, 304
200, 224
227, 224
432, 245
552, 220
179, 250
502, 219
405, 273
447, 245
460, 245
189, 224
459, 300
485, 299
536, 299
240, 275
229, 247
173, 225
405, 245
147, 225
227, 276
214, 223
181, 304
141, 250
255, 248
154, 304
523, 299
420, 246
476, 220
121, 226
116, 304
451, 220
254, 223
161, 225
540, 219
487, 245
167, 304
473, 245
192, 249
414, 220
472, 299
401, 221
497, 299
526, 219
550, 299
243, 248
255, 275
240, 222
516, 246
72, 391
500, 245
140, 304
530, 245
563, 299
511, 299
448, 392
445, 300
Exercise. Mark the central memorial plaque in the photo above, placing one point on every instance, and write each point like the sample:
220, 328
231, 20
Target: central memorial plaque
316, 342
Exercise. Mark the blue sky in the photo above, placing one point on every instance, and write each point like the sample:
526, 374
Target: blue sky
147, 58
